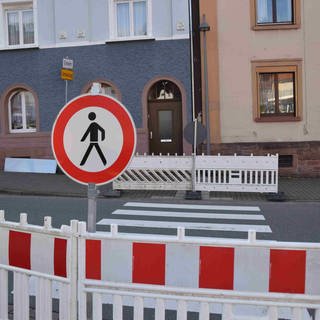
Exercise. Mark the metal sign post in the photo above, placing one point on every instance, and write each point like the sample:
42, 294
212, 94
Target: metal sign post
93, 193
194, 155
67, 74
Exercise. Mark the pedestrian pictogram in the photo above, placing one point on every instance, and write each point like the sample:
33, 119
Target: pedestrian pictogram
93, 139
93, 132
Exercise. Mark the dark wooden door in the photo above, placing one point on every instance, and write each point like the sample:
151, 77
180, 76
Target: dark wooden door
165, 127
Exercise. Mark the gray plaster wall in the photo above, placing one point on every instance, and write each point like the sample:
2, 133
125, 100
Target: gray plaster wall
129, 65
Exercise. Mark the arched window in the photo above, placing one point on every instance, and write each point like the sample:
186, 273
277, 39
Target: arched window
22, 112
106, 89
164, 90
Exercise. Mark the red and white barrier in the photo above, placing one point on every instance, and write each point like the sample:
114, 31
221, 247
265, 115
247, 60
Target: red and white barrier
40, 258
283, 268
37, 252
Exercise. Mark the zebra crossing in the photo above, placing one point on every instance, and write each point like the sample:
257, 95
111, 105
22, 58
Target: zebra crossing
194, 218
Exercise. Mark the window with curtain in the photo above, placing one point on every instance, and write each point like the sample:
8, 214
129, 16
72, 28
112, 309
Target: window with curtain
277, 93
131, 18
277, 90
20, 27
22, 112
275, 11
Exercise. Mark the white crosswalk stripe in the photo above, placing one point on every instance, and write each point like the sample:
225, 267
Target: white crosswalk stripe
177, 214
237, 215
187, 225
190, 206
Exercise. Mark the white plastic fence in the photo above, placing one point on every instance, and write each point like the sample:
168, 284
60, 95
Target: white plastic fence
115, 269
213, 173
113, 283
40, 258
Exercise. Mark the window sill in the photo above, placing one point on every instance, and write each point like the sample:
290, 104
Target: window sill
277, 119
127, 39
275, 26
10, 48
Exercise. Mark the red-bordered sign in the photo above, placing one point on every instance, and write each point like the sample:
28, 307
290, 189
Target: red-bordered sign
93, 139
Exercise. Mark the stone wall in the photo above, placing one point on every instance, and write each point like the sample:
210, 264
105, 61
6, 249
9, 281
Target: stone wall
305, 155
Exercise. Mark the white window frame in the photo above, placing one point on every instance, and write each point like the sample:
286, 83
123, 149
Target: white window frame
113, 20
17, 6
24, 114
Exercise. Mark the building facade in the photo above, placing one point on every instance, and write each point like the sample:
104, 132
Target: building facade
263, 78
138, 50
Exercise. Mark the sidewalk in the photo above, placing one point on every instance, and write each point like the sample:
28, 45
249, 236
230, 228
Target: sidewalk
294, 189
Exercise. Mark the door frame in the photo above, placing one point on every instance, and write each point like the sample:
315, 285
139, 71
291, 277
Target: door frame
186, 147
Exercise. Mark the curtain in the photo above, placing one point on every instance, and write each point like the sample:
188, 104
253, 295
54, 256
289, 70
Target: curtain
140, 18
264, 11
30, 110
28, 27
16, 111
13, 28
123, 20
267, 93
284, 10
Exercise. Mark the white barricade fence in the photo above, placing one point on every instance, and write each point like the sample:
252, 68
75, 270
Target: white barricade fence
40, 258
238, 279
213, 173
128, 274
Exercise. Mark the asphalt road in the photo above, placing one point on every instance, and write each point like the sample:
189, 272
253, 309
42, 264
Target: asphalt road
283, 221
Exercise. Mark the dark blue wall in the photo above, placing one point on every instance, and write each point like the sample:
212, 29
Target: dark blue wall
129, 65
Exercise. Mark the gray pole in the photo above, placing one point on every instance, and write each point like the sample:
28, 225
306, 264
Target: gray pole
66, 91
204, 27
92, 207
191, 60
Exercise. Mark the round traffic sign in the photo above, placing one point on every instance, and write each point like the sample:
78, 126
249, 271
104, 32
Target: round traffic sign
93, 139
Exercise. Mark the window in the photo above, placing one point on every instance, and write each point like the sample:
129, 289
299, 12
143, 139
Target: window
22, 112
19, 24
275, 14
277, 90
130, 19
106, 88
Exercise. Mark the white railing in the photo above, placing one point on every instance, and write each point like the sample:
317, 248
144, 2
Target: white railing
29, 281
230, 305
212, 173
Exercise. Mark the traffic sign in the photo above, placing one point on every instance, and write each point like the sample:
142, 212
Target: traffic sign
93, 139
66, 74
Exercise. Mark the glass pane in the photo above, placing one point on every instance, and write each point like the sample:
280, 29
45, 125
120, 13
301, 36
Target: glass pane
28, 27
267, 93
164, 90
286, 92
13, 28
264, 11
16, 111
30, 111
140, 18
123, 19
165, 125
108, 90
284, 10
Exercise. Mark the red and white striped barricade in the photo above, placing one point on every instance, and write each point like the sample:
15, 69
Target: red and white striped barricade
42, 256
267, 268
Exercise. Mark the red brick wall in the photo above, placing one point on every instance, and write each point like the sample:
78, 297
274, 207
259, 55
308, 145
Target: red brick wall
306, 155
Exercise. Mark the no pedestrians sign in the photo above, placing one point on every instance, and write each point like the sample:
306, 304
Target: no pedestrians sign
93, 139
